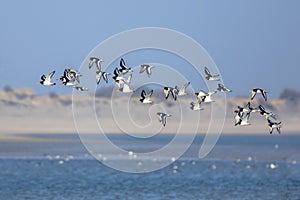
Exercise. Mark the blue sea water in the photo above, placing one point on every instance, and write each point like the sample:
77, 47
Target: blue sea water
240, 167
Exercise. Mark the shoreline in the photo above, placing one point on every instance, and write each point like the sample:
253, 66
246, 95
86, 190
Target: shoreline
58, 136
229, 147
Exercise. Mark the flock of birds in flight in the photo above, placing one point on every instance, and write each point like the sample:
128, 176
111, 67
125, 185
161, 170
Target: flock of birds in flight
71, 77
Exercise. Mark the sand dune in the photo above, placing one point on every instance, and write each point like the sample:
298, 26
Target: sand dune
23, 112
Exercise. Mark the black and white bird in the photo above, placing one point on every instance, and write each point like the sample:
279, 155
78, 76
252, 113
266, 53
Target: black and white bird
125, 88
222, 88
245, 119
73, 73
196, 106
265, 113
201, 93
208, 98
124, 69
182, 90
101, 74
238, 117
248, 109
258, 91
209, 76
205, 96
97, 61
147, 68
80, 88
274, 125
46, 80
117, 75
118, 78
69, 83
241, 118
170, 90
243, 114
146, 97
163, 117
69, 77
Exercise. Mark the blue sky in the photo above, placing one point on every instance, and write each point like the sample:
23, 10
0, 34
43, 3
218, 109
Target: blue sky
254, 43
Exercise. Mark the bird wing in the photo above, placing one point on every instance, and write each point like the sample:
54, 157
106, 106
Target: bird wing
245, 119
216, 76
49, 76
116, 74
247, 106
201, 98
119, 83
104, 75
142, 68
192, 105
125, 88
160, 114
129, 79
247, 116
212, 92
253, 94
148, 70
143, 94
174, 94
77, 79
273, 116
80, 88
221, 87
122, 64
150, 93
98, 77
67, 75
91, 62
264, 94
164, 120
262, 109
271, 130
43, 77
207, 72
98, 64
278, 129
237, 119
183, 88
202, 93
270, 122
166, 92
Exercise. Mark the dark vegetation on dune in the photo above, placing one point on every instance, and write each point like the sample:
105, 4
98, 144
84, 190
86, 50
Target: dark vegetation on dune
290, 94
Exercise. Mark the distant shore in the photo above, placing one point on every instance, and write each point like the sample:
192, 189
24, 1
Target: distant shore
21, 112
